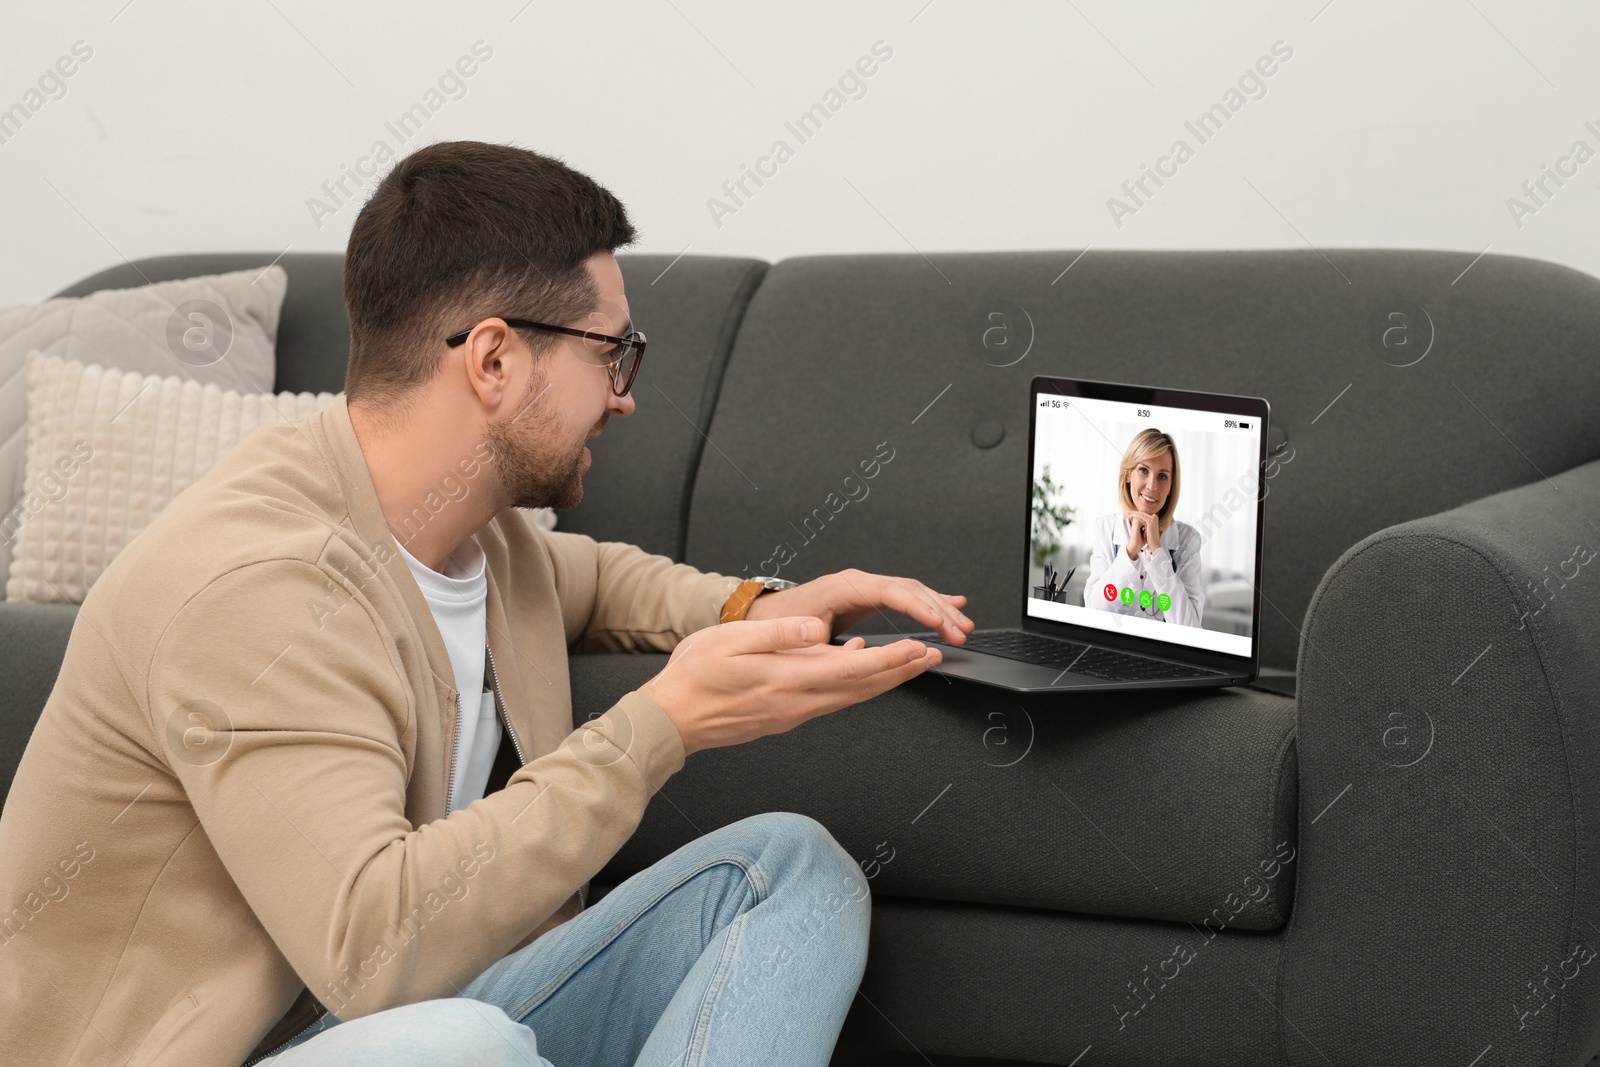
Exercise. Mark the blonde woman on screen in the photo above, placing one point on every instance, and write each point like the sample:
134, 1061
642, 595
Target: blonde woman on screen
1144, 562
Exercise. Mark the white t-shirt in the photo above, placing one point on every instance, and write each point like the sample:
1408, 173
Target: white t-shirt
458, 599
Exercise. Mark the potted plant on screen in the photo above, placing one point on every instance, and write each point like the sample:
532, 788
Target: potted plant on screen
1050, 520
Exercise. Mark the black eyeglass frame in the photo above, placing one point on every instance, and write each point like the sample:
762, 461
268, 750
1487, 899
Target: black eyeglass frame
634, 342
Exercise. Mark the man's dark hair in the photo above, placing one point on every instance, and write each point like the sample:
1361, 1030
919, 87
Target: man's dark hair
458, 232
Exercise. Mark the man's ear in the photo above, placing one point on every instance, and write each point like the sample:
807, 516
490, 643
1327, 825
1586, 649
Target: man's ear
485, 353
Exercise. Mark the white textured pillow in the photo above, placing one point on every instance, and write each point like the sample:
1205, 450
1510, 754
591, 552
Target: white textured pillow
107, 450
152, 329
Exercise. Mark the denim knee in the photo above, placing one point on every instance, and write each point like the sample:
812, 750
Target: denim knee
801, 850
819, 900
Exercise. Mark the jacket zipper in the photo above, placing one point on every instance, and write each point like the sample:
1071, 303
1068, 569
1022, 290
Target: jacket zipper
499, 703
505, 720
455, 752
286, 1044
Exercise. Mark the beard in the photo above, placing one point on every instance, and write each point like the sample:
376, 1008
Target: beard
536, 469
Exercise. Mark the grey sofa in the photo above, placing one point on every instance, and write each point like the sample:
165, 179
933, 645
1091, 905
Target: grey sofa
1398, 865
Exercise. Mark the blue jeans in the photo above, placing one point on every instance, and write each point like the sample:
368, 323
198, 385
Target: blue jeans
744, 946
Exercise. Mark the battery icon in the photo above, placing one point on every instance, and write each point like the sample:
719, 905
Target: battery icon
1243, 425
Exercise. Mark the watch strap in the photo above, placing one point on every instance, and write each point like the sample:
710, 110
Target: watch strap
739, 601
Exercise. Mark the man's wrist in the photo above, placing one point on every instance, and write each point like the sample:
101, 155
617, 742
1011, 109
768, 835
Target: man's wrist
737, 606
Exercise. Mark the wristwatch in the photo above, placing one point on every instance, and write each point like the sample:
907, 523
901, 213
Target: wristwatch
745, 593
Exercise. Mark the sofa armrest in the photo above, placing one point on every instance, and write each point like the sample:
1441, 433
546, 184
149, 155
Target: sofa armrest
1449, 879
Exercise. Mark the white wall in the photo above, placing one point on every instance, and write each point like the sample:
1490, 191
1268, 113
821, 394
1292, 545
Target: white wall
993, 126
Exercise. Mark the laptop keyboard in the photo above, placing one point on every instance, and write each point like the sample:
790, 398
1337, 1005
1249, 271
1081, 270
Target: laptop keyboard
1063, 655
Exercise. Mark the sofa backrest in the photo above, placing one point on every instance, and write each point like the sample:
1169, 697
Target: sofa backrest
689, 308
839, 354
841, 357
644, 465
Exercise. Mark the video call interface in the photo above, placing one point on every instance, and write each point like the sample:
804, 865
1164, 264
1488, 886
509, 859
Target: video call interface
1144, 521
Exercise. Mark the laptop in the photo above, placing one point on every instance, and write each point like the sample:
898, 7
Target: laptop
1101, 607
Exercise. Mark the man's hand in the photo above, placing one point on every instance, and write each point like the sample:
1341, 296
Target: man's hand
847, 597
737, 681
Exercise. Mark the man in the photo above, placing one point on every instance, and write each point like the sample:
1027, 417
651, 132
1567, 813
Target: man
279, 805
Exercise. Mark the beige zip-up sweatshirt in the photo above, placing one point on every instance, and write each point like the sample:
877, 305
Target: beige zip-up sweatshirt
233, 804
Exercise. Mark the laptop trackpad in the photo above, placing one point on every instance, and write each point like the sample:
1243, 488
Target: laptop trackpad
995, 670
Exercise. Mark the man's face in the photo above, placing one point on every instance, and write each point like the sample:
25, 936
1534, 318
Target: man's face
541, 448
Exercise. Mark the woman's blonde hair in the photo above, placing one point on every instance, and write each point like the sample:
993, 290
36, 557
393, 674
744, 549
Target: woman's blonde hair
1148, 444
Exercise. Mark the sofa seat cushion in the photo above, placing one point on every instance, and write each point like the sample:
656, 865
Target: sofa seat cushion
1174, 805
33, 642
1040, 987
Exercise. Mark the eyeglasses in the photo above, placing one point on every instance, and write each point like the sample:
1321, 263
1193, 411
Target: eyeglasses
623, 364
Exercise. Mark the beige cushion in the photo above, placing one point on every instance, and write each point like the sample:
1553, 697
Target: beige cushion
107, 450
152, 329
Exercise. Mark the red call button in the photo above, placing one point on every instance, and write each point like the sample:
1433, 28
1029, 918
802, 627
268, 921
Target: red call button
1111, 592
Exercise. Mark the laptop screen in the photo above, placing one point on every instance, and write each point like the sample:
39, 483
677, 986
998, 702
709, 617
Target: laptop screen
1144, 515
